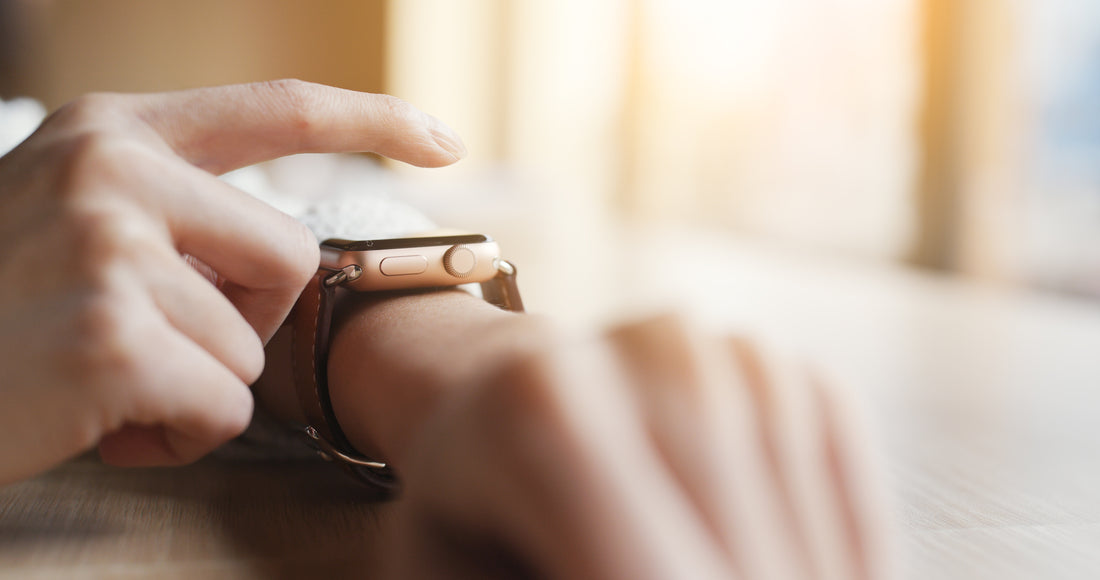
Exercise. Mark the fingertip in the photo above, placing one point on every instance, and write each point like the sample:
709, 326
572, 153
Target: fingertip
253, 358
404, 132
428, 144
446, 139
303, 253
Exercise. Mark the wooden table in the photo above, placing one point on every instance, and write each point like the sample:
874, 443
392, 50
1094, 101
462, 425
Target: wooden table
215, 519
985, 402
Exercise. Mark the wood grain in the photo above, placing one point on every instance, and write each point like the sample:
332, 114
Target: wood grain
217, 518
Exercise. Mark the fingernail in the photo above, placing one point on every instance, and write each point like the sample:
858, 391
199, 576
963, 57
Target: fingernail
446, 138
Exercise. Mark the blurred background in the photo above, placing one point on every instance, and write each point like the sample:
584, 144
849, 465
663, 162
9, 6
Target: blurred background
956, 136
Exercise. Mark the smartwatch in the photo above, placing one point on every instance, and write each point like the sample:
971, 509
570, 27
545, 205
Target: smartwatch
432, 260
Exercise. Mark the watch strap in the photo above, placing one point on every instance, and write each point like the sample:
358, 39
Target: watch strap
311, 333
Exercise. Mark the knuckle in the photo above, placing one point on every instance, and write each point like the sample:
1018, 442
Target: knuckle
525, 386
106, 352
295, 99
93, 161
102, 239
101, 323
520, 403
527, 391
668, 356
657, 332
87, 110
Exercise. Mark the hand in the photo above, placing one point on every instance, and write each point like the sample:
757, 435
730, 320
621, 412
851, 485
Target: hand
650, 451
136, 289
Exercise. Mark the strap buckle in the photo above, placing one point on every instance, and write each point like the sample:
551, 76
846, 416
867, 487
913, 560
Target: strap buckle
330, 453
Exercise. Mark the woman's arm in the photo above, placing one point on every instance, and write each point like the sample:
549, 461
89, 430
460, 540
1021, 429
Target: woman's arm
648, 451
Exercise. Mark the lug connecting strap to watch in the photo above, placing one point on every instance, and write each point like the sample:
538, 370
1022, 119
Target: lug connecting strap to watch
311, 321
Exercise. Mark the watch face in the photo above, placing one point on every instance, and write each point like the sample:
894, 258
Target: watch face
411, 242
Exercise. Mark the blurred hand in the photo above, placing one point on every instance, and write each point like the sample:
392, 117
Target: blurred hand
136, 289
652, 450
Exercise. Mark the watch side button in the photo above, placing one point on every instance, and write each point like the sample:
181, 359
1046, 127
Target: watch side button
402, 265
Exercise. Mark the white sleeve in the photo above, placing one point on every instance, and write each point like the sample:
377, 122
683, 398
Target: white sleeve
18, 119
337, 196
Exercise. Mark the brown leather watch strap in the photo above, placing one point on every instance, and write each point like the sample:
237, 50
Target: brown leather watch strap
311, 333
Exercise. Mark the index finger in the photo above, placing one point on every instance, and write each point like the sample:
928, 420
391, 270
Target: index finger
222, 128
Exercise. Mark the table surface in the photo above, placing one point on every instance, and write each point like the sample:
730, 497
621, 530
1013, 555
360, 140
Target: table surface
983, 401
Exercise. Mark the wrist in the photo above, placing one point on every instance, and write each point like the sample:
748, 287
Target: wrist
396, 357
